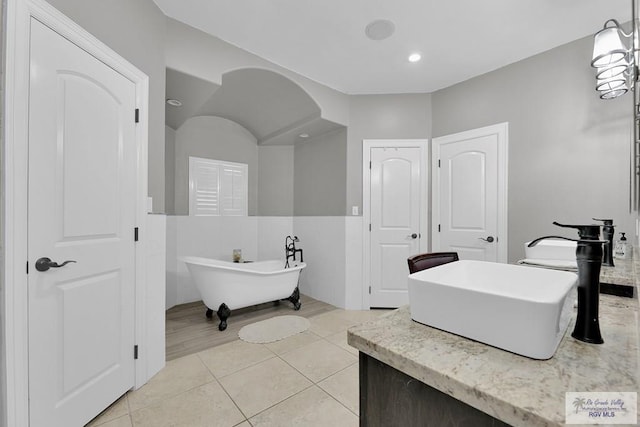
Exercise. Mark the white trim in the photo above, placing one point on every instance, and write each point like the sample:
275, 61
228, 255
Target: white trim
367, 145
502, 130
142, 142
16, 86
18, 16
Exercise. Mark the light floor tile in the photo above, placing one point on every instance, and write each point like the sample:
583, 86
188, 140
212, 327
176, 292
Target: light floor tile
329, 323
340, 339
229, 358
244, 424
124, 421
292, 342
207, 405
260, 386
344, 386
319, 360
117, 409
177, 376
311, 408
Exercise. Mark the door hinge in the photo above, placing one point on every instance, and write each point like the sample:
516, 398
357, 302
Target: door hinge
135, 352
438, 162
27, 267
135, 234
369, 165
137, 115
438, 228
369, 290
369, 226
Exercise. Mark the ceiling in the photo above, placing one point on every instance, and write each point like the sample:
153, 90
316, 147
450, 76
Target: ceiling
262, 101
325, 40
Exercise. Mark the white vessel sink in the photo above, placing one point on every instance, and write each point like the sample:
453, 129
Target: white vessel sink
552, 249
524, 310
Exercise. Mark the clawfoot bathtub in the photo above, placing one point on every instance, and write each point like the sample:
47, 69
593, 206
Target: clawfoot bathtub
226, 286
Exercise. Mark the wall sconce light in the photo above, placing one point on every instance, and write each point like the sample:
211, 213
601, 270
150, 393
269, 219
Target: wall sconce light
614, 59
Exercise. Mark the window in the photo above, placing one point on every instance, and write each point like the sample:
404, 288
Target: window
217, 188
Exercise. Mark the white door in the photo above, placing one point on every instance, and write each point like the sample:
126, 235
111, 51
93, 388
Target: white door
395, 217
469, 206
82, 165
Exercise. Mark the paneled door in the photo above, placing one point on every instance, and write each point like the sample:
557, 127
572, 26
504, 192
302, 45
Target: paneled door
395, 215
82, 166
469, 196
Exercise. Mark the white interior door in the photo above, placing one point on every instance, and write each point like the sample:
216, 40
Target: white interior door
469, 204
395, 217
82, 166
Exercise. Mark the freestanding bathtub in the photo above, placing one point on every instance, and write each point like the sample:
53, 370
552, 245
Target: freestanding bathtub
226, 286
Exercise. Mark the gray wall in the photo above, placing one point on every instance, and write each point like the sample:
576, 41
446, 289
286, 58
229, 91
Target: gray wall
136, 30
568, 150
170, 170
320, 175
275, 180
213, 138
381, 117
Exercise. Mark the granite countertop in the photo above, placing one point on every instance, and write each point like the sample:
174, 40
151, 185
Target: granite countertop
515, 389
623, 273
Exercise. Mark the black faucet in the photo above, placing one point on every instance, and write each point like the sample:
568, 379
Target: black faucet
589, 258
608, 231
290, 249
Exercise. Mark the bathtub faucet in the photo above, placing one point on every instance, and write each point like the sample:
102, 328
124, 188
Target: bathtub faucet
290, 249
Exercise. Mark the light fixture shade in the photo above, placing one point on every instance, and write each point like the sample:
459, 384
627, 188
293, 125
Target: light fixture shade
608, 47
608, 85
613, 93
612, 71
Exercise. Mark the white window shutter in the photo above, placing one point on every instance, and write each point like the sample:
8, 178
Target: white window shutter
234, 190
217, 188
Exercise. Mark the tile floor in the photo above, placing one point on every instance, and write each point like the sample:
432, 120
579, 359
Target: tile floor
309, 379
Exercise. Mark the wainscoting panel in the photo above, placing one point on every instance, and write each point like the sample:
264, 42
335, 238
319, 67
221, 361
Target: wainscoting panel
272, 230
323, 240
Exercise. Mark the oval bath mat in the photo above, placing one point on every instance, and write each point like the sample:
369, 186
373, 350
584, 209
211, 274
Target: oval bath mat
273, 329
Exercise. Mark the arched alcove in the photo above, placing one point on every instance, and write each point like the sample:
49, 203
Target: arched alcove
278, 114
272, 107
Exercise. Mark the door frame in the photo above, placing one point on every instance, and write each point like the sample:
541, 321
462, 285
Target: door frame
367, 145
14, 298
502, 130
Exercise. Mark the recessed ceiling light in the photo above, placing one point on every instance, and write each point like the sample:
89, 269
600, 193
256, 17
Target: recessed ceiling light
304, 135
174, 102
415, 57
380, 29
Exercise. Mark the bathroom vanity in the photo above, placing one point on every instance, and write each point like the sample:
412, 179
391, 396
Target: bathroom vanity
412, 374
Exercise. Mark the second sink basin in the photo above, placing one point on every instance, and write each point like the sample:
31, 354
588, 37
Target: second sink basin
524, 310
552, 249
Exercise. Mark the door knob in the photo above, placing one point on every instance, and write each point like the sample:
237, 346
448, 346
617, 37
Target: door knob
44, 263
413, 236
489, 239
